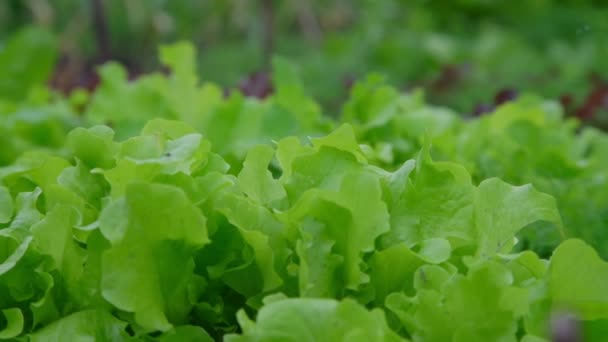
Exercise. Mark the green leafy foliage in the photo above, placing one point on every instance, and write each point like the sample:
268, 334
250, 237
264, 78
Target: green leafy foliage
199, 217
26, 61
525, 141
315, 320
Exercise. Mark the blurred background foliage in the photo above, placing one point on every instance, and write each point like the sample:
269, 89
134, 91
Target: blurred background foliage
466, 54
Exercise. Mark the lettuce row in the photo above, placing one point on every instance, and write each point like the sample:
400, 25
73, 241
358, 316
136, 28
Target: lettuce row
155, 238
526, 141
282, 224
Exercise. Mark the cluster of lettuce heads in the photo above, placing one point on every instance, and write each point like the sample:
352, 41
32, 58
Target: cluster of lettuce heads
161, 210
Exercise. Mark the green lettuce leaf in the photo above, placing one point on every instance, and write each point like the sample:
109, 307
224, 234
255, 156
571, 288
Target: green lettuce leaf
434, 200
315, 320
89, 325
14, 323
575, 287
151, 229
501, 210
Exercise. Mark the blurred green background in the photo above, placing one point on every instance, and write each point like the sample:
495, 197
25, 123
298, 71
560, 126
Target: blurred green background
466, 54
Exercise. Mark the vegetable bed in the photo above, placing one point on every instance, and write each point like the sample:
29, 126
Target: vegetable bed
162, 210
